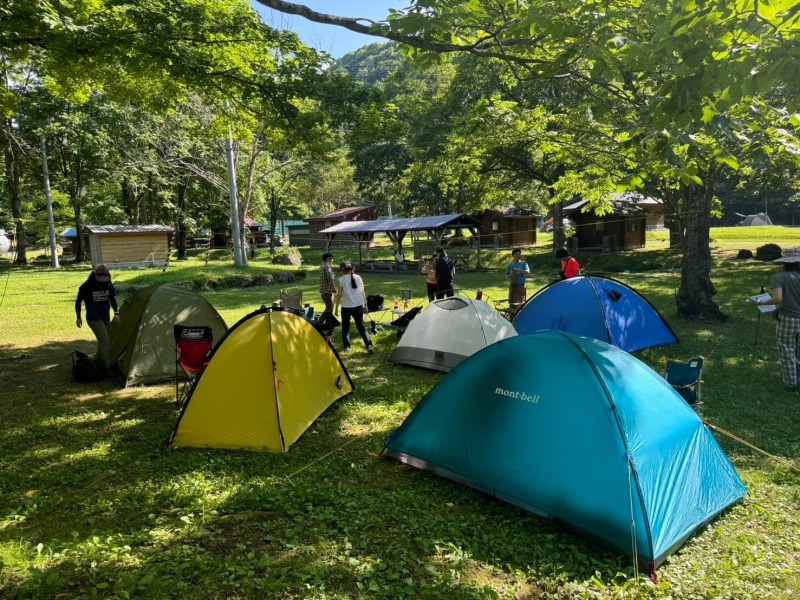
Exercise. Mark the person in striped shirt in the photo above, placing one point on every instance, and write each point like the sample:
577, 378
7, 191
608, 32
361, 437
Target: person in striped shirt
327, 281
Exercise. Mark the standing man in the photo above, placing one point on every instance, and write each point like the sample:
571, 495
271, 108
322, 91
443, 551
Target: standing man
445, 274
98, 294
517, 273
327, 281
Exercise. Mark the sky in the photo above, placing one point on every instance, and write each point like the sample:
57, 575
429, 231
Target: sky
336, 41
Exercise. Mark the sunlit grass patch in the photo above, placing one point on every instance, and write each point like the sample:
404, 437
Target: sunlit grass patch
99, 450
83, 417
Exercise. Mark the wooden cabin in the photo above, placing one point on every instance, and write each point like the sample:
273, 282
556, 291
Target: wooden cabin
121, 246
507, 228
316, 240
298, 234
622, 229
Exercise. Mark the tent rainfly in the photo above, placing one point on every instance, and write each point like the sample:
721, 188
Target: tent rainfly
755, 220
448, 331
596, 307
576, 430
143, 344
267, 381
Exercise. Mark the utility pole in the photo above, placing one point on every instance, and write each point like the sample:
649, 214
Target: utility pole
49, 199
235, 230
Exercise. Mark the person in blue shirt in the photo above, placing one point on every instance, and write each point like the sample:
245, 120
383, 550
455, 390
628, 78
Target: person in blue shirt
517, 273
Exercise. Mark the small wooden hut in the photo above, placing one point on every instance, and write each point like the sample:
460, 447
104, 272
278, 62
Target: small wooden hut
121, 246
507, 227
621, 229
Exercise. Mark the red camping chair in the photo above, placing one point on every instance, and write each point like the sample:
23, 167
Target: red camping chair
192, 349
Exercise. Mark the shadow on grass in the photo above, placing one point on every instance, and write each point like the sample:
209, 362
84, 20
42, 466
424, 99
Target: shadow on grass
84, 473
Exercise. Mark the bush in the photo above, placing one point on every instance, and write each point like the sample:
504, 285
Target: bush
287, 256
768, 252
745, 254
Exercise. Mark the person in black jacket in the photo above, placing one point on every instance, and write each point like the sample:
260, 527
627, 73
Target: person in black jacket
98, 294
445, 274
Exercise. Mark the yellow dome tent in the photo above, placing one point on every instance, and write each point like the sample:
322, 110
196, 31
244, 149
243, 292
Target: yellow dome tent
268, 379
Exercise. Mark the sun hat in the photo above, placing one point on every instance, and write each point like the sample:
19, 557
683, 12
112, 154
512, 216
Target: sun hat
102, 274
789, 255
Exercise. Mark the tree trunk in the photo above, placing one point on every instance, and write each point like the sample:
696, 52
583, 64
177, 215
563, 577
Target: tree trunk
274, 207
81, 250
180, 221
558, 225
695, 295
12, 158
125, 198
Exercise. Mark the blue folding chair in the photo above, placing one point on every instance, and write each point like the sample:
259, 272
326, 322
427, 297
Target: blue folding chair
686, 379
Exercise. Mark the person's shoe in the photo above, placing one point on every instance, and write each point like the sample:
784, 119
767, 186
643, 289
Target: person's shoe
370, 350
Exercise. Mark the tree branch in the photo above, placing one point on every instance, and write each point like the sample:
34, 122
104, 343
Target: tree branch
357, 25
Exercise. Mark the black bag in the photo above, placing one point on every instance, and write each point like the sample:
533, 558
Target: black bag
326, 323
84, 369
374, 303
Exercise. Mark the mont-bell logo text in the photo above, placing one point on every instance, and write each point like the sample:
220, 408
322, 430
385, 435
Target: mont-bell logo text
518, 395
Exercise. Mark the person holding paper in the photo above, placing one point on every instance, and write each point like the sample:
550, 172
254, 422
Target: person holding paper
786, 296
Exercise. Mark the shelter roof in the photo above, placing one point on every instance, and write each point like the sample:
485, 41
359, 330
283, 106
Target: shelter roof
69, 232
127, 229
624, 204
338, 214
512, 211
412, 224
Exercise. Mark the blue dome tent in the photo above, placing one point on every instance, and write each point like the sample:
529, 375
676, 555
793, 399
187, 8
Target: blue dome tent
607, 447
599, 308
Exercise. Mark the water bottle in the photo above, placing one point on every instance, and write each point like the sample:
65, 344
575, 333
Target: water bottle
396, 304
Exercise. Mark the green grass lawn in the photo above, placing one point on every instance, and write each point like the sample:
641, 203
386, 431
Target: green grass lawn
93, 505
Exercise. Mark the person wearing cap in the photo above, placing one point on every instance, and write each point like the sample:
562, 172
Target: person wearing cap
327, 281
98, 294
786, 296
351, 296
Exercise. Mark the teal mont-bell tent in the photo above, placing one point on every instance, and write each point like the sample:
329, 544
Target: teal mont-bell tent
577, 430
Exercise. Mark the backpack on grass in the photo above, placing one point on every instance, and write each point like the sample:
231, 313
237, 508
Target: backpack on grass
85, 369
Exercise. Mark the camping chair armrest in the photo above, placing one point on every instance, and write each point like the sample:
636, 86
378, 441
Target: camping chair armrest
686, 385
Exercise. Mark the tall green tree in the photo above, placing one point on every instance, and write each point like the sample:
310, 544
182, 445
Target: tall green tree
673, 81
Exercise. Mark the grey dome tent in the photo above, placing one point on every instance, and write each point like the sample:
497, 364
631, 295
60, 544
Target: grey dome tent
143, 344
448, 331
755, 220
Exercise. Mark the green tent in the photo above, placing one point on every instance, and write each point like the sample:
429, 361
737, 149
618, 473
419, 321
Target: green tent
143, 344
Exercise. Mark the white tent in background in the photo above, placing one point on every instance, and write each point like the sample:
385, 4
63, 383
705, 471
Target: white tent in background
448, 331
755, 220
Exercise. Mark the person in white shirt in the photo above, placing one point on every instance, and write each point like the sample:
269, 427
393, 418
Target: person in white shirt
351, 297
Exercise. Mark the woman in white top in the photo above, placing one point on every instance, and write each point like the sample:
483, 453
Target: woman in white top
353, 300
